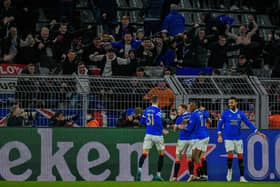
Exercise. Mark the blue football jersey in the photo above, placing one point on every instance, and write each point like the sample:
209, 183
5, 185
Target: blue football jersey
196, 125
184, 134
152, 119
203, 132
232, 124
192, 126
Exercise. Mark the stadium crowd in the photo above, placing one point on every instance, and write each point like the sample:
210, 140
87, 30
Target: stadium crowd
163, 43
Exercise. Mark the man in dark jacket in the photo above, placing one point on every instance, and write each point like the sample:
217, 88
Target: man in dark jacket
45, 48
128, 119
219, 51
11, 46
15, 118
243, 66
213, 26
59, 120
70, 64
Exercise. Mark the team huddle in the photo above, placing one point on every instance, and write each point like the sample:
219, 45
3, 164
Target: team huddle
193, 138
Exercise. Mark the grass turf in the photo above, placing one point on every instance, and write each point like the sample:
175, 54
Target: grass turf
136, 184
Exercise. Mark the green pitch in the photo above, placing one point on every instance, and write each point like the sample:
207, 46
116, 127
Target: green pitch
137, 184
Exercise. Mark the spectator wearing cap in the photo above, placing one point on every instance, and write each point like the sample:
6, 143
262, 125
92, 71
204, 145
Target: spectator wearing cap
123, 27
174, 23
152, 13
127, 43
128, 119
109, 63
243, 66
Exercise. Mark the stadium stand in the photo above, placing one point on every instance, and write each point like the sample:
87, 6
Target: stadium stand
103, 40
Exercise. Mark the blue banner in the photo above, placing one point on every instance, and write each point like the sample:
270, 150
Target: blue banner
261, 157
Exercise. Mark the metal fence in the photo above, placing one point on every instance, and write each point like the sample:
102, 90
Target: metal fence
102, 99
40, 95
108, 99
214, 91
271, 89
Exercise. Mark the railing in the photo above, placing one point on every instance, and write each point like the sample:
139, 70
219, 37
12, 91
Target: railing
107, 99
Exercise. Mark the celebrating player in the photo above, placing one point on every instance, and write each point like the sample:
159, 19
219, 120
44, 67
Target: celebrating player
198, 120
154, 135
203, 127
185, 142
231, 120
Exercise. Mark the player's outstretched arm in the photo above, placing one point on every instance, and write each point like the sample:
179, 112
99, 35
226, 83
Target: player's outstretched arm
219, 127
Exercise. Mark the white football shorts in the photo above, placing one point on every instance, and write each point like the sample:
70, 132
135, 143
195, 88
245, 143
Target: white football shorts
151, 140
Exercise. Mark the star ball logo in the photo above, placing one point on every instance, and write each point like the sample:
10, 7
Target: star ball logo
170, 151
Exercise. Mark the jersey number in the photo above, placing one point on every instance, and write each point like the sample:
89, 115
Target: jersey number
201, 120
151, 119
